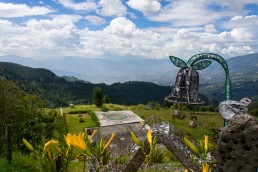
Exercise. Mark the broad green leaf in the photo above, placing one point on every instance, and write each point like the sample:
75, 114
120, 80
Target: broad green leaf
191, 145
177, 61
201, 64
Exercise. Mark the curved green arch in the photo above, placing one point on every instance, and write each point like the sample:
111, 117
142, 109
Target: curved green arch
221, 61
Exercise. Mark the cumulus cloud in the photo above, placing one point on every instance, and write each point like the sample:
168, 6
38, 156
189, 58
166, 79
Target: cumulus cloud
95, 20
111, 8
147, 7
80, 6
236, 7
9, 10
59, 37
178, 13
210, 28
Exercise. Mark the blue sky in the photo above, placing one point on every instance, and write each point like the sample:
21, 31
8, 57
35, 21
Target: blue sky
128, 28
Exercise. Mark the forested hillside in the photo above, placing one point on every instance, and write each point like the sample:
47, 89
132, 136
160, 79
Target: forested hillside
57, 91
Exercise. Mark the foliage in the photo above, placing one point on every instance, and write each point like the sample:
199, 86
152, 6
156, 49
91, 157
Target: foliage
20, 162
97, 97
254, 112
104, 109
106, 99
156, 156
56, 91
203, 150
94, 118
150, 155
153, 105
21, 110
96, 154
77, 111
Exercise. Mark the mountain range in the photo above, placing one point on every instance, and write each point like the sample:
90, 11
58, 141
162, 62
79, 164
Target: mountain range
243, 72
159, 71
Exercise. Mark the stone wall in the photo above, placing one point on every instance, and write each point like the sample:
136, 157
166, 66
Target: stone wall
237, 149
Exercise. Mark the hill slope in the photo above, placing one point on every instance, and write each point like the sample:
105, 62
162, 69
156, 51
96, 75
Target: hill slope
59, 92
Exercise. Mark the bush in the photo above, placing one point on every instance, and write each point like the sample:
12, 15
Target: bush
94, 117
254, 112
104, 109
20, 162
78, 111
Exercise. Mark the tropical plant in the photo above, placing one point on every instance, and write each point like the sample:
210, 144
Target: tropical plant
97, 155
152, 142
204, 150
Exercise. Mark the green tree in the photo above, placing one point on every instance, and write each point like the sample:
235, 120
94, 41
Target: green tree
97, 96
19, 109
106, 99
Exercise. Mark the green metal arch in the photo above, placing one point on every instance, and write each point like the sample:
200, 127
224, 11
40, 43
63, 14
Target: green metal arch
221, 61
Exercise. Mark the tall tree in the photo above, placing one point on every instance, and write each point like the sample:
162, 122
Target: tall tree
97, 96
106, 99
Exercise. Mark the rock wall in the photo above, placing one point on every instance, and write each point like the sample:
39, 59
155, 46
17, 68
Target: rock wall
237, 149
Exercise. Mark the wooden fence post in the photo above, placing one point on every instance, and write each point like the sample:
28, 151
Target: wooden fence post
9, 142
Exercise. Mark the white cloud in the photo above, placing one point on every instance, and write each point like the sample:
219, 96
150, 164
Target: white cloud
210, 28
80, 6
240, 21
111, 8
147, 7
95, 20
241, 34
20, 10
59, 37
234, 6
179, 13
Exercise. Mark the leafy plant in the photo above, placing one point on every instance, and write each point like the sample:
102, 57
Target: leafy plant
203, 150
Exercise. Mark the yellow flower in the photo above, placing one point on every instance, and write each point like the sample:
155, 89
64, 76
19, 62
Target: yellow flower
94, 132
110, 140
149, 136
186, 170
46, 148
206, 143
79, 142
68, 139
28, 145
205, 167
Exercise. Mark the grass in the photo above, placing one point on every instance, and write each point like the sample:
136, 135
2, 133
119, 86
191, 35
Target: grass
75, 127
206, 120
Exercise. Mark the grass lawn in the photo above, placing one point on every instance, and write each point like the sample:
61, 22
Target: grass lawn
75, 127
206, 121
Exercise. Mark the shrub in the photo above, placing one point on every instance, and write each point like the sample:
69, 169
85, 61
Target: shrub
94, 117
254, 112
20, 162
104, 109
78, 111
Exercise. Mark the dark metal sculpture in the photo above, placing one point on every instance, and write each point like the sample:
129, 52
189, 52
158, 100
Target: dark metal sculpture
186, 85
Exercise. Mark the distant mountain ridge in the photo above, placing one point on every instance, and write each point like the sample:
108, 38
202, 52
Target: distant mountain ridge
159, 71
57, 91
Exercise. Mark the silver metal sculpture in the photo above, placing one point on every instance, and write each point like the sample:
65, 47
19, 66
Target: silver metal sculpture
230, 108
186, 85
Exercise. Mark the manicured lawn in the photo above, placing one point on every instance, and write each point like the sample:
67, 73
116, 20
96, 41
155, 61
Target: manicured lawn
206, 121
75, 127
